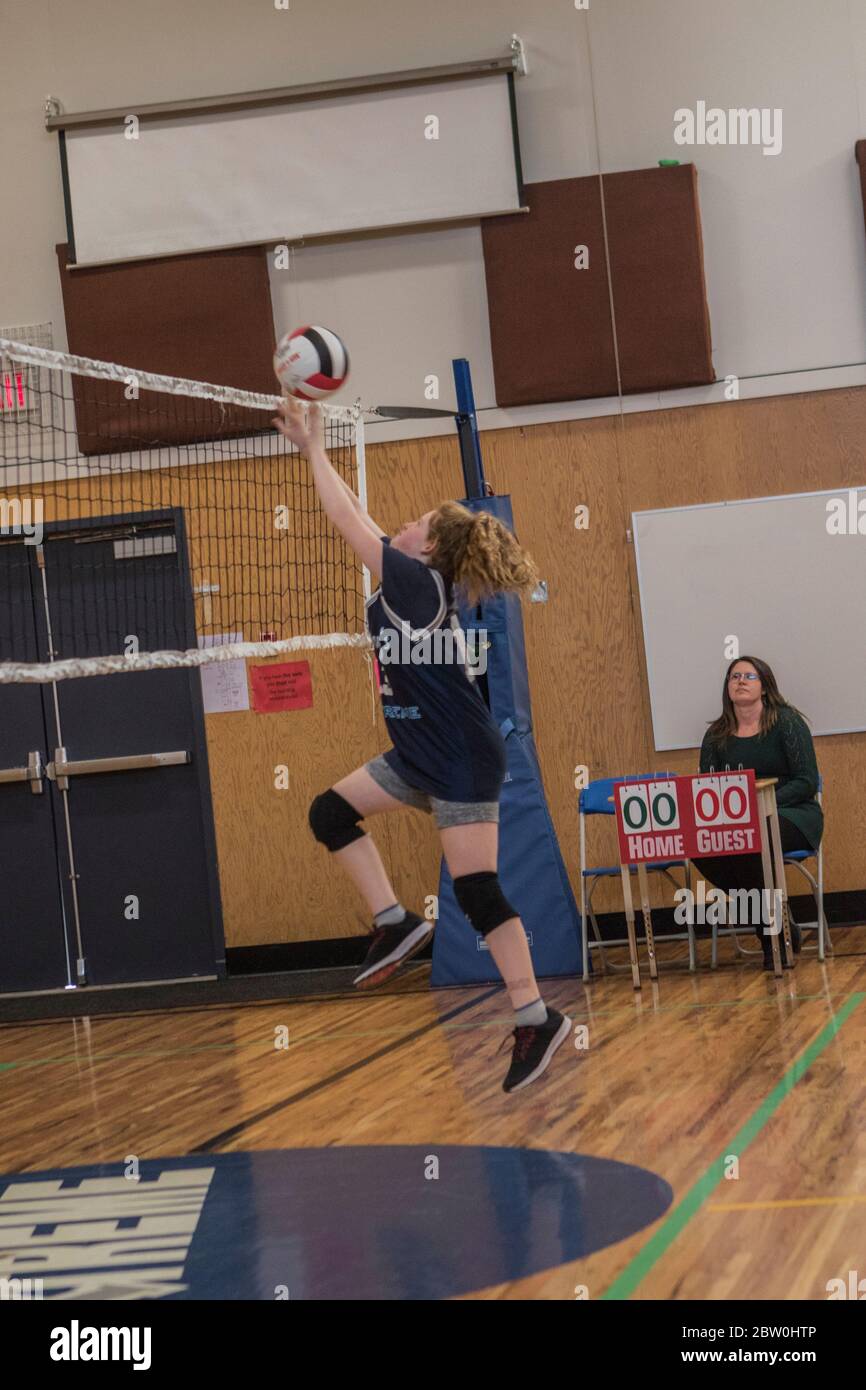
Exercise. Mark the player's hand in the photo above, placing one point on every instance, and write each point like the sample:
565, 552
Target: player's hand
304, 427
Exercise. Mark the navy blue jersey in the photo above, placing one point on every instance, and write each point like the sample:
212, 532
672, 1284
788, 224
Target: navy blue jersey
446, 742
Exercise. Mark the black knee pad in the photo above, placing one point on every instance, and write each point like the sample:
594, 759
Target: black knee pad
333, 821
483, 901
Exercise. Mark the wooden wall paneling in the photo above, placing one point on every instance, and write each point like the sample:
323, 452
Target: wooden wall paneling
278, 884
581, 647
584, 647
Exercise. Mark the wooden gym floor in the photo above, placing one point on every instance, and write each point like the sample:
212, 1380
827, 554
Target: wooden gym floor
746, 1096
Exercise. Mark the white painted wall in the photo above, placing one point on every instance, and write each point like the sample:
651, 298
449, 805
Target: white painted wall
784, 242
784, 238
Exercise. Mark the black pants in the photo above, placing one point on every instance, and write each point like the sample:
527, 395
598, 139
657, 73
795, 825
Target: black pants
731, 871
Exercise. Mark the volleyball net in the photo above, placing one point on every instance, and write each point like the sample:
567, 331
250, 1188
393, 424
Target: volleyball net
148, 522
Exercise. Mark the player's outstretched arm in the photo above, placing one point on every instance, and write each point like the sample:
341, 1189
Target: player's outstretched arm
337, 498
365, 516
316, 432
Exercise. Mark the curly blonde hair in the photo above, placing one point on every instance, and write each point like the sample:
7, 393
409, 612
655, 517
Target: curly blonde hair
477, 553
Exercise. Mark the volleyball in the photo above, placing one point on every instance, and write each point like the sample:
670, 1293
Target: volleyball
311, 363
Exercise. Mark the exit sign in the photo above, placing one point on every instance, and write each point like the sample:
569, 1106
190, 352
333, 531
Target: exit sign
19, 379
13, 389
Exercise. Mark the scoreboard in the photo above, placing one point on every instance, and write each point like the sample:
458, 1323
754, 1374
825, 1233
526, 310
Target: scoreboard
687, 817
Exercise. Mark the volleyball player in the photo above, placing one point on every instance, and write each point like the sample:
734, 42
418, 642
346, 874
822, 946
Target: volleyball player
448, 756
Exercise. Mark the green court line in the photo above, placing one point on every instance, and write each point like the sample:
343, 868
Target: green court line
638, 1268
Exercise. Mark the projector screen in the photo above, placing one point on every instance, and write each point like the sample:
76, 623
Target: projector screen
768, 572
282, 172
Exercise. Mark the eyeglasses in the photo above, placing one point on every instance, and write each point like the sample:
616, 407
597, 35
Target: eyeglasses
744, 676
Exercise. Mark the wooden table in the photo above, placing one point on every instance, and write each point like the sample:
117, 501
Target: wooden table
770, 854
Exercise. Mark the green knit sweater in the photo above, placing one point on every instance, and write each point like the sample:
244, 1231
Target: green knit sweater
786, 752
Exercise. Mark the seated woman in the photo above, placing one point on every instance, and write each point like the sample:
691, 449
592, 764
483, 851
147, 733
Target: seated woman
759, 729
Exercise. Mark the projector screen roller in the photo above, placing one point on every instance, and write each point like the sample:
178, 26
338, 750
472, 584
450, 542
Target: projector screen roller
324, 166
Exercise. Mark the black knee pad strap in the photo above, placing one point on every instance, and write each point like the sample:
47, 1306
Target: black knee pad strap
483, 901
333, 821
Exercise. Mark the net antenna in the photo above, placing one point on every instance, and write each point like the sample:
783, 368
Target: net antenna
150, 522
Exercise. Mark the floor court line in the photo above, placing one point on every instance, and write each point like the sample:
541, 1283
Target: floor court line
786, 1202
337, 1032
213, 1006
709, 1004
640, 1265
117, 1056
573, 1010
425, 990
216, 1140
343, 995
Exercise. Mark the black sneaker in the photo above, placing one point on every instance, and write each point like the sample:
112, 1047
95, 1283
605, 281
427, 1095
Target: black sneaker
391, 947
533, 1048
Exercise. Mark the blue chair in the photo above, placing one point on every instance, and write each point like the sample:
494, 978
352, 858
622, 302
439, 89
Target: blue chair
795, 858
595, 800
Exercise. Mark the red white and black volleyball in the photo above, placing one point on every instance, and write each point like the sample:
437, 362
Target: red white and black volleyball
311, 363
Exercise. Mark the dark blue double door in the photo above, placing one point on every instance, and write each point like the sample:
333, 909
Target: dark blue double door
108, 871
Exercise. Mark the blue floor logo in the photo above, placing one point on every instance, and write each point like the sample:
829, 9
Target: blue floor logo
384, 1222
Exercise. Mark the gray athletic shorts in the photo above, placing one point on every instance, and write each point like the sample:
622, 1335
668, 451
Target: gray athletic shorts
446, 813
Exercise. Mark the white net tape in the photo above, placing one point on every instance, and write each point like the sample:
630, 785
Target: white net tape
38, 673
150, 381
347, 423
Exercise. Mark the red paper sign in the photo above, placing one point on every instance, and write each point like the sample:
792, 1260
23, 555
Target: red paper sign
287, 686
710, 813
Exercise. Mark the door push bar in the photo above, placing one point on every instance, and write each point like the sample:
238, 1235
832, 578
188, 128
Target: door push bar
60, 770
32, 773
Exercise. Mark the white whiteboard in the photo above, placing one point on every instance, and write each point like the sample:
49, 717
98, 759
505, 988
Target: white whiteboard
767, 571
283, 172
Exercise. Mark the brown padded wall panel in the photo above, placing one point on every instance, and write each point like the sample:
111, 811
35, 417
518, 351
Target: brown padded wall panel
860, 156
550, 329
659, 295
205, 317
550, 324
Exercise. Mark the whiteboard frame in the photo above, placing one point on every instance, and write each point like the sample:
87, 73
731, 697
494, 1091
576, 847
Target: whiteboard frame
842, 490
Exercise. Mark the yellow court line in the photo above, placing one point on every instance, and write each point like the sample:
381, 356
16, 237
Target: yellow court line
786, 1202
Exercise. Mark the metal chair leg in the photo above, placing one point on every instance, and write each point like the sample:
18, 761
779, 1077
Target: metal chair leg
605, 968
690, 930
824, 944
